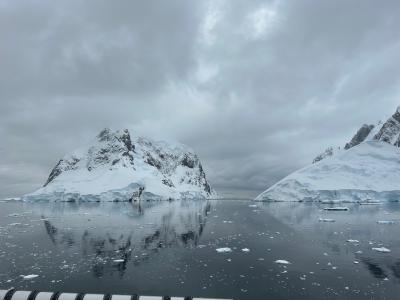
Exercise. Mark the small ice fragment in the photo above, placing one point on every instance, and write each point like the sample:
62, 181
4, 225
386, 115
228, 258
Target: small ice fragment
118, 260
223, 250
252, 205
352, 241
246, 250
359, 252
282, 262
326, 220
386, 222
356, 262
338, 208
382, 249
32, 276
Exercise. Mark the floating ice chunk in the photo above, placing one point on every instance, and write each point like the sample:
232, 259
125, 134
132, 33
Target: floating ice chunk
386, 222
338, 208
356, 262
382, 249
252, 205
31, 276
326, 220
246, 250
118, 260
282, 262
224, 250
353, 241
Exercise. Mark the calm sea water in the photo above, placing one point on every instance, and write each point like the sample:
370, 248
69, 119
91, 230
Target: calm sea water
169, 248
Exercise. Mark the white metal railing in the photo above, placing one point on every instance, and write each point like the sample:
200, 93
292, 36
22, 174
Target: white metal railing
13, 294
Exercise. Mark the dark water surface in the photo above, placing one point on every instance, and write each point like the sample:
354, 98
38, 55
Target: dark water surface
169, 248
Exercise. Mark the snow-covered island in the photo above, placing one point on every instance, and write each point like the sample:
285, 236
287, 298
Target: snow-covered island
116, 166
367, 169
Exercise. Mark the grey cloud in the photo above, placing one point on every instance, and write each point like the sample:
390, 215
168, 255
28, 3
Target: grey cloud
257, 88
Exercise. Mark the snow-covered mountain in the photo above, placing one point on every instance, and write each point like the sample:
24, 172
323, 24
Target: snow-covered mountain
367, 168
116, 165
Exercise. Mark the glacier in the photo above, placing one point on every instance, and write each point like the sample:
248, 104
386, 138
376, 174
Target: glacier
116, 166
366, 170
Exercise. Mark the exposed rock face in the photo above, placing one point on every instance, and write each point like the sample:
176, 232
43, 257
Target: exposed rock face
115, 165
328, 152
360, 136
390, 130
113, 149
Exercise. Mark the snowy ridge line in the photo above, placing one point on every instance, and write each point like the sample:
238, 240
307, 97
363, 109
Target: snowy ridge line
12, 294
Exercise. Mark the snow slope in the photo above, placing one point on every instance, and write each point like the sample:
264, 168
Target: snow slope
367, 168
115, 166
370, 170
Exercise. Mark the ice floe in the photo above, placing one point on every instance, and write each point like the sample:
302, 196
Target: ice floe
381, 249
223, 250
31, 276
282, 262
352, 241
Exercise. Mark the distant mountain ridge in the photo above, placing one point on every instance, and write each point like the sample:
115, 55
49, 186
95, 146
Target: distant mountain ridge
116, 165
368, 168
388, 132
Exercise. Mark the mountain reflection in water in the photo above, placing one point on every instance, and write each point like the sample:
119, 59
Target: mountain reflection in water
171, 229
169, 248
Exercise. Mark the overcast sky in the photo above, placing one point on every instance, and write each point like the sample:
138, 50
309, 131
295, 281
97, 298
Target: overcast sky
257, 88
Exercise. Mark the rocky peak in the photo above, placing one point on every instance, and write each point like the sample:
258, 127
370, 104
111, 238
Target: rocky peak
109, 136
390, 130
113, 148
360, 136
